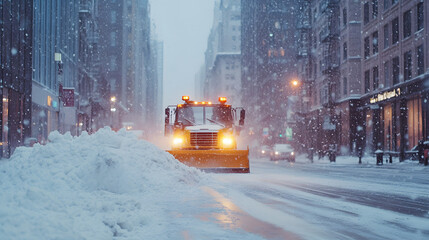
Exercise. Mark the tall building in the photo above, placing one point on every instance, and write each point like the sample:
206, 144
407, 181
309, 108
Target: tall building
223, 53
15, 73
268, 66
55, 67
158, 57
125, 59
93, 104
395, 74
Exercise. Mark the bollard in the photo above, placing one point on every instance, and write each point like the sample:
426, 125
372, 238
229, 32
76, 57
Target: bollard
426, 155
360, 153
310, 154
379, 157
390, 158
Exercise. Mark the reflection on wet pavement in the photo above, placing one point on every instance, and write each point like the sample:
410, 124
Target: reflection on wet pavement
234, 218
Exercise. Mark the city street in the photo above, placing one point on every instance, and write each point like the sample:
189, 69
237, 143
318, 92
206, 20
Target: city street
323, 200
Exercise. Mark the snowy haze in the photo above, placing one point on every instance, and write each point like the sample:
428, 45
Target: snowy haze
184, 26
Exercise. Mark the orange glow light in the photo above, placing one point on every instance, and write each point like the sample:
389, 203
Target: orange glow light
185, 98
209, 102
295, 83
222, 99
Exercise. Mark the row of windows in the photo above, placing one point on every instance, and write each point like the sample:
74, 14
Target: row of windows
387, 4
391, 34
392, 70
373, 4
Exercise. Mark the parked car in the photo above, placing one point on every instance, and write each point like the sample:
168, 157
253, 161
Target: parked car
283, 152
413, 154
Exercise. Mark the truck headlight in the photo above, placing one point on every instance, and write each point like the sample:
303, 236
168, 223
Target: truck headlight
177, 141
277, 153
227, 141
292, 153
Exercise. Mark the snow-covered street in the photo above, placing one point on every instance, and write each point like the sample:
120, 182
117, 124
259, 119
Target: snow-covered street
113, 186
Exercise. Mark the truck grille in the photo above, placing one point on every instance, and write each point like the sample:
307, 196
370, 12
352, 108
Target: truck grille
204, 139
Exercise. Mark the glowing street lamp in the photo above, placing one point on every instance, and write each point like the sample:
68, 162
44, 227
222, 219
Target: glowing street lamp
295, 83
113, 99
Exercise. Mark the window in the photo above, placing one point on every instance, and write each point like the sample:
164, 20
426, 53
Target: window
407, 23
375, 79
420, 60
344, 17
375, 42
345, 51
345, 86
420, 16
415, 123
374, 8
386, 36
112, 17
366, 13
394, 2
386, 74
395, 31
386, 4
407, 65
366, 48
113, 63
395, 70
112, 39
367, 89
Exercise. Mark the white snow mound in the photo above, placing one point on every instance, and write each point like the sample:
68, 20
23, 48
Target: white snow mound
98, 186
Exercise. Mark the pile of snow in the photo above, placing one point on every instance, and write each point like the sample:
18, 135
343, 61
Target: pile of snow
100, 186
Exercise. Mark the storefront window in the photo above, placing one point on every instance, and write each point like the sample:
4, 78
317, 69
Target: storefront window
415, 132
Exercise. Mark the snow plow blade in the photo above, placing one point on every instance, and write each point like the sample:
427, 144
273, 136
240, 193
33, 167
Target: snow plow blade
219, 161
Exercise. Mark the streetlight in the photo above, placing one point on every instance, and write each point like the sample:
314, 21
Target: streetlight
112, 110
295, 82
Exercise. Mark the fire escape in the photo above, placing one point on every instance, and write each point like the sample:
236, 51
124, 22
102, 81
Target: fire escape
329, 39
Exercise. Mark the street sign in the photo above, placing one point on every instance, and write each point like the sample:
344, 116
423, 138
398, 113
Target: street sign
289, 134
67, 97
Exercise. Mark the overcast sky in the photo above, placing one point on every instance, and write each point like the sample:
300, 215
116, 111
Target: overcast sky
184, 26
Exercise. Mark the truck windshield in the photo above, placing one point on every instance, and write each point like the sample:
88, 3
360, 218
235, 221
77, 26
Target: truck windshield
199, 115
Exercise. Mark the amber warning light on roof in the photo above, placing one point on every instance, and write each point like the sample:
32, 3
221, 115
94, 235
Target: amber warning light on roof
185, 98
222, 99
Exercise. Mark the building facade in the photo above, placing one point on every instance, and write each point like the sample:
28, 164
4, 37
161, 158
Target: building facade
55, 67
366, 81
16, 48
395, 74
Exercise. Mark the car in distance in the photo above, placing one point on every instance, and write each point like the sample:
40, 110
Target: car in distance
282, 152
264, 151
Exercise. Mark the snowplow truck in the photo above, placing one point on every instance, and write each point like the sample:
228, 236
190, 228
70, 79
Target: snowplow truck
204, 135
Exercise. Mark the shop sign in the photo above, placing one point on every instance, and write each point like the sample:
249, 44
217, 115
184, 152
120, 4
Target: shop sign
67, 97
386, 95
265, 132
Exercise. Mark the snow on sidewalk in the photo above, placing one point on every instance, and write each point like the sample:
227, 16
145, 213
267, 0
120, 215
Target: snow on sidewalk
92, 187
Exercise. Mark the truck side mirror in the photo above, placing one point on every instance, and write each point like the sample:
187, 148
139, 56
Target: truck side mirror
167, 122
242, 117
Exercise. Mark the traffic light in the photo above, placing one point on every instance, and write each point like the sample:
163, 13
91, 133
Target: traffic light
280, 135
